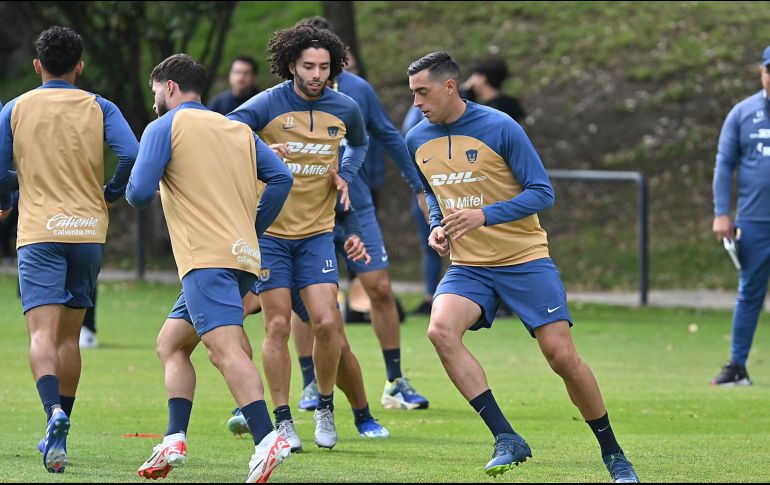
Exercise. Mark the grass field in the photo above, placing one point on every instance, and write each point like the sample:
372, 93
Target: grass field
652, 369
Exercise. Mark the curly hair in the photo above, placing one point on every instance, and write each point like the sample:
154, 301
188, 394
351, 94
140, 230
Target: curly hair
59, 50
287, 45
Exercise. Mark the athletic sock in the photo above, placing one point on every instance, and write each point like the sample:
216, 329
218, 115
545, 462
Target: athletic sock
604, 435
179, 411
326, 402
258, 419
281, 413
67, 403
308, 370
361, 415
48, 389
490, 412
392, 363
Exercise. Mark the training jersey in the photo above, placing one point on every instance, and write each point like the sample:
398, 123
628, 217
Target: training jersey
382, 134
54, 135
208, 167
484, 160
5, 197
744, 144
314, 131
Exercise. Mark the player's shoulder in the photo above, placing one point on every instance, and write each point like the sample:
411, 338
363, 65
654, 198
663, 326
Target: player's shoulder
749, 106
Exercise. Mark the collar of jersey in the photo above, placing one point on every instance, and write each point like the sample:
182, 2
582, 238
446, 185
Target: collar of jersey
58, 84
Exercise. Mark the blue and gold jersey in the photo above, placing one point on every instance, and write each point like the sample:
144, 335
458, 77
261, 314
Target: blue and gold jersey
313, 131
485, 161
55, 135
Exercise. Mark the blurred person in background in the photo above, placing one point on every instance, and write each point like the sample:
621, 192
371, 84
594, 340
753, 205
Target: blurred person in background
243, 74
744, 147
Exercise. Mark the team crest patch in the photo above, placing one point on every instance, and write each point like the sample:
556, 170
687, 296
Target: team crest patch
264, 274
333, 131
472, 155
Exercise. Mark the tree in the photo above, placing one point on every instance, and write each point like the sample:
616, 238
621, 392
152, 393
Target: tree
342, 16
123, 40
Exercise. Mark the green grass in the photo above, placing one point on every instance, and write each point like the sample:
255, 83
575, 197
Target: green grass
653, 372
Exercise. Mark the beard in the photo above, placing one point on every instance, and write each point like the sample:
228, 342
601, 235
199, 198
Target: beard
161, 107
302, 84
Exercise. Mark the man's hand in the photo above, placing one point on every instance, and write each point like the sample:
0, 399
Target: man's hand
356, 251
342, 188
723, 228
422, 203
280, 149
438, 241
460, 222
5, 214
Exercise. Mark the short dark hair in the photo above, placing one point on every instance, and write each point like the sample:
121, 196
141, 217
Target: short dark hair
183, 70
438, 64
59, 49
495, 70
287, 45
317, 21
248, 60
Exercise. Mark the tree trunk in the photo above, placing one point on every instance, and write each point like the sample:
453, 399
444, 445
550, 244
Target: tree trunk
342, 16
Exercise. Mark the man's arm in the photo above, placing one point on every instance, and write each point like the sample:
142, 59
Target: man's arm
9, 182
348, 219
154, 155
379, 127
122, 141
537, 193
728, 154
355, 150
253, 112
273, 172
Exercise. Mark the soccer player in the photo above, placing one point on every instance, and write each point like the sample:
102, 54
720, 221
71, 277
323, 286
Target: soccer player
485, 184
349, 377
55, 135
208, 167
397, 393
306, 121
744, 153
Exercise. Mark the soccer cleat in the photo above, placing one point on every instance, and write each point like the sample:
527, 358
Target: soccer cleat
286, 430
55, 446
237, 424
165, 457
620, 468
424, 308
325, 432
510, 449
732, 375
268, 454
308, 401
372, 429
400, 394
88, 339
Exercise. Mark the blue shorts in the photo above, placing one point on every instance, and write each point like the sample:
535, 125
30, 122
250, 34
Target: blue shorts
532, 290
297, 263
375, 244
59, 274
212, 298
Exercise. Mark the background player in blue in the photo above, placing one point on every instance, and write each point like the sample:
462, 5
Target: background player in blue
214, 239
308, 122
485, 184
398, 393
744, 147
55, 137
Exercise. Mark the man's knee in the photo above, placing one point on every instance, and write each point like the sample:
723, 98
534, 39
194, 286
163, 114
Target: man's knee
379, 290
563, 361
442, 335
278, 329
327, 326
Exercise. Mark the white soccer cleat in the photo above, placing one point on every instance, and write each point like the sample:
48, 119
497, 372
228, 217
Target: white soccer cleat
172, 453
268, 454
286, 430
325, 432
87, 339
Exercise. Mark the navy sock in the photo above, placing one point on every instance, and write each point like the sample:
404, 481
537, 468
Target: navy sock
67, 403
361, 415
487, 407
48, 389
308, 370
392, 363
326, 402
281, 413
604, 435
179, 410
258, 420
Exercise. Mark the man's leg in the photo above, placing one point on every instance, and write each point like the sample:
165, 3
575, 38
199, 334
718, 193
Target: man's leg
43, 323
555, 341
276, 360
69, 356
451, 317
303, 343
